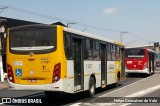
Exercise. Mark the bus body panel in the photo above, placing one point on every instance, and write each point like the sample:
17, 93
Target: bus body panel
58, 86
38, 69
92, 67
111, 70
136, 64
70, 77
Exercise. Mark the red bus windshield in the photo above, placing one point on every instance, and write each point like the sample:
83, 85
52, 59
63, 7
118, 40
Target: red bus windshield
135, 53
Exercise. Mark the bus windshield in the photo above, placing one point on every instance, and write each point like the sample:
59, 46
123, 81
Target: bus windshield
135, 53
35, 40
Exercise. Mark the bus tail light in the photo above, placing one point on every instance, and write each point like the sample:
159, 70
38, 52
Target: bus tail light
10, 73
56, 72
145, 65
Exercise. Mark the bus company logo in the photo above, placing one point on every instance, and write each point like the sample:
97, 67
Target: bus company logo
31, 72
31, 54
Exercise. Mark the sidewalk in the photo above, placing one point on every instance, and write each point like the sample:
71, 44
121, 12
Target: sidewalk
3, 85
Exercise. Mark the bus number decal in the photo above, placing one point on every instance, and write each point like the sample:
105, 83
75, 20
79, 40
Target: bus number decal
45, 61
18, 63
88, 66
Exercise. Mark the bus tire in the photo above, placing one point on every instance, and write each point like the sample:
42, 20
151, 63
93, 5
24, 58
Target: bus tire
92, 87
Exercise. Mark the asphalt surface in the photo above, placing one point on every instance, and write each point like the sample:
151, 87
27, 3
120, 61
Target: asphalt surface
154, 95
67, 99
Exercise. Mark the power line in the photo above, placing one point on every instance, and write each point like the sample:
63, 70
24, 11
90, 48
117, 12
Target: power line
68, 21
2, 9
60, 19
137, 36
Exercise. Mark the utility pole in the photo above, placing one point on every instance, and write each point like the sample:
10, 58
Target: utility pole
121, 34
2, 31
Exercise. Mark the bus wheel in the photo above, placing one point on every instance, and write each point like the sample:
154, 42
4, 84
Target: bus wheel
92, 87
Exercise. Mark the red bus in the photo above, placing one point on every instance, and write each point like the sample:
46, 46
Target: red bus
140, 60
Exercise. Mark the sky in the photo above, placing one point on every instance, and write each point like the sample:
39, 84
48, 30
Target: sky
105, 18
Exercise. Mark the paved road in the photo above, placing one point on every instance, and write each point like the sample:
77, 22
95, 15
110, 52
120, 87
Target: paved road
66, 99
154, 95
148, 87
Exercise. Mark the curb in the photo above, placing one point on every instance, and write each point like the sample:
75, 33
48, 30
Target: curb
3, 85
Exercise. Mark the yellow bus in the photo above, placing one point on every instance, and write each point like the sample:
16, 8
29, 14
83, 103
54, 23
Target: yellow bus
55, 58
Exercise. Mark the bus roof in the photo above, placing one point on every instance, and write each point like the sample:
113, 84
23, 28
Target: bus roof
150, 50
74, 31
91, 36
140, 46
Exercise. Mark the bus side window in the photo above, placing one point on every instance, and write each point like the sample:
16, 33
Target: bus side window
88, 51
108, 52
96, 53
67, 46
113, 52
117, 53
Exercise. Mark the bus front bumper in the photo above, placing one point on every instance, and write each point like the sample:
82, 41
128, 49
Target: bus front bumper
58, 86
138, 71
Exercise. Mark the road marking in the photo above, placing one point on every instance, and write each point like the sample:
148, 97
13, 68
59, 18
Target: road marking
76, 104
122, 87
137, 94
143, 92
146, 91
125, 104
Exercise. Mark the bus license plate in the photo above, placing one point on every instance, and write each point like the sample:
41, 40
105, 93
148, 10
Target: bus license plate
32, 81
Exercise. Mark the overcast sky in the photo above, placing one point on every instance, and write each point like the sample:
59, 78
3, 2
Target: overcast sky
140, 18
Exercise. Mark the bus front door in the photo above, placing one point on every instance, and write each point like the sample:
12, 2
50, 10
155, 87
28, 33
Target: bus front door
78, 66
103, 65
123, 74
